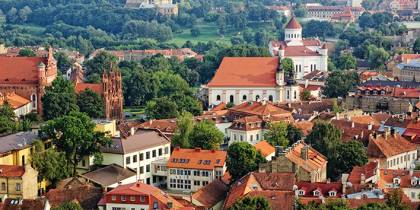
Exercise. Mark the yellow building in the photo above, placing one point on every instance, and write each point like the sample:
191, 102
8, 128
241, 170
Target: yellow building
18, 182
16, 149
107, 126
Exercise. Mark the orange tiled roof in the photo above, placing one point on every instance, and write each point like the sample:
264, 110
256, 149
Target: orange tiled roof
368, 170
315, 159
305, 126
261, 184
259, 108
386, 177
22, 70
265, 148
15, 101
80, 87
11, 171
197, 158
299, 51
246, 72
365, 119
407, 57
323, 187
211, 194
164, 125
381, 147
293, 24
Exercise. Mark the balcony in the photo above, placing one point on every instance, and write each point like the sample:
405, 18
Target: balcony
159, 167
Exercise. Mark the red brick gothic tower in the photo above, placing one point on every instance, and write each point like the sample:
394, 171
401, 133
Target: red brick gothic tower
113, 95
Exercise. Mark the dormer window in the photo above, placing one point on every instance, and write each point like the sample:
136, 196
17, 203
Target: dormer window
396, 180
332, 193
301, 192
316, 193
375, 92
414, 181
383, 92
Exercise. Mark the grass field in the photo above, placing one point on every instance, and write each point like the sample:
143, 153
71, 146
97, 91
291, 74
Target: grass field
208, 33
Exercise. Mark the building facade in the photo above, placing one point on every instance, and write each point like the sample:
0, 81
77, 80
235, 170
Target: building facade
191, 169
307, 54
18, 182
28, 77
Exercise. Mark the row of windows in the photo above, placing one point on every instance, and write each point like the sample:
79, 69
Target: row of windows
288, 94
251, 137
185, 184
244, 98
125, 198
159, 152
188, 172
402, 159
367, 92
293, 36
17, 186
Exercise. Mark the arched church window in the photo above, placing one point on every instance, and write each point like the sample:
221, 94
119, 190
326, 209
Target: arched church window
34, 100
257, 97
244, 97
218, 98
270, 98
231, 98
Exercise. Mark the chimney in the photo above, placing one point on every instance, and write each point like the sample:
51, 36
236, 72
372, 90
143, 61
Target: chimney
304, 152
393, 133
370, 127
197, 149
279, 151
213, 151
362, 178
177, 148
132, 131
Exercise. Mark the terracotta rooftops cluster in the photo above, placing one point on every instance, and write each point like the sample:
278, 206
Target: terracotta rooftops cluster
22, 70
310, 160
388, 145
265, 148
262, 108
197, 158
325, 189
15, 101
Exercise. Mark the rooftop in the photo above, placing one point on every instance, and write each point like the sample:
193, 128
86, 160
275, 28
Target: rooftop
315, 160
197, 158
211, 194
293, 24
265, 148
391, 145
80, 87
246, 72
11, 171
17, 141
22, 70
15, 101
259, 108
109, 175
142, 139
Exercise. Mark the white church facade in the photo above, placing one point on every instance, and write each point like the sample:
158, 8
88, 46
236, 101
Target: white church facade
241, 79
307, 54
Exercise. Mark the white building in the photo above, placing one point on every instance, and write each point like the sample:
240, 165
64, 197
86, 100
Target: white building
137, 152
392, 151
20, 105
191, 169
307, 54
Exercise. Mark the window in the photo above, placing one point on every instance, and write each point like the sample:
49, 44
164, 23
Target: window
205, 183
196, 173
3, 186
218, 98
204, 173
141, 156
187, 172
241, 137
142, 199
148, 181
231, 98
113, 197
154, 179
155, 205
252, 137
166, 150
234, 137
127, 160
154, 153
83, 162
257, 137
134, 158
316, 193
147, 155
132, 198
34, 100
18, 187
257, 97
270, 98
287, 94
196, 183
244, 97
148, 168
413, 195
141, 170
294, 94
160, 152
301, 192
332, 193
122, 197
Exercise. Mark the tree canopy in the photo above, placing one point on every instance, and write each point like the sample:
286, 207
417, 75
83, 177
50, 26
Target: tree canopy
91, 103
206, 135
251, 203
242, 158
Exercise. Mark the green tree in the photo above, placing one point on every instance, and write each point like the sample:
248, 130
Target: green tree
91, 103
242, 158
377, 57
277, 134
7, 119
339, 83
416, 46
195, 32
50, 164
161, 108
346, 61
251, 203
294, 134
97, 65
63, 62
26, 52
306, 95
74, 135
394, 200
349, 155
59, 99
206, 135
184, 127
374, 206
287, 65
71, 205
